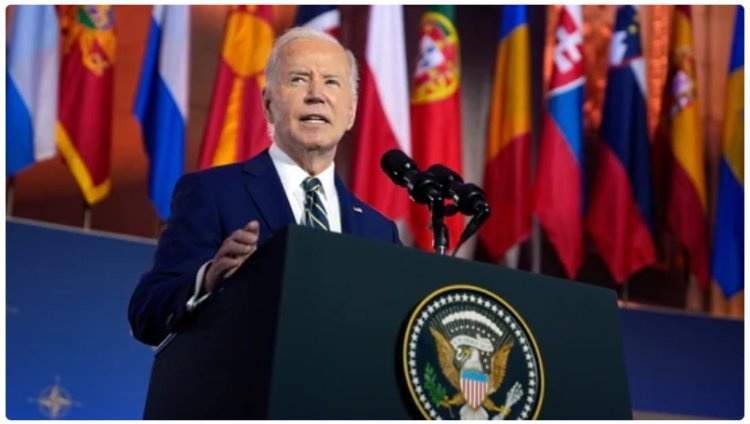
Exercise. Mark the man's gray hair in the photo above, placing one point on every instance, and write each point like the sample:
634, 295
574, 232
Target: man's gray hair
297, 33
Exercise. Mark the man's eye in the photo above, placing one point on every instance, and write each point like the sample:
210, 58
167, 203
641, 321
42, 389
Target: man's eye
297, 80
333, 82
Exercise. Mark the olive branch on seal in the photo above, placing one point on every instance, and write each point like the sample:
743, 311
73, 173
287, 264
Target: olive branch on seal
435, 390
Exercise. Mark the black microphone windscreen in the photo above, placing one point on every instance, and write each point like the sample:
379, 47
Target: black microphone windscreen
445, 174
395, 164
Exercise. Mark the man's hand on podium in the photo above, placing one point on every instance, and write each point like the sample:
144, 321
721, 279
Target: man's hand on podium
233, 252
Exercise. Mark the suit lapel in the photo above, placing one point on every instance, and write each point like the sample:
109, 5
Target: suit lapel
265, 188
351, 222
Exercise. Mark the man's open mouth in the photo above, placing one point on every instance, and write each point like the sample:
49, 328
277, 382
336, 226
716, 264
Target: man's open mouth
313, 118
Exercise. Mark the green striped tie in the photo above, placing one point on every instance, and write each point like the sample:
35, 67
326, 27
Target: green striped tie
315, 212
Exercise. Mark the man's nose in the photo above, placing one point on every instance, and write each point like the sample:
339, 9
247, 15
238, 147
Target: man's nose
314, 93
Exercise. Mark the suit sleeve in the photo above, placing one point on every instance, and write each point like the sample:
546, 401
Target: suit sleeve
191, 237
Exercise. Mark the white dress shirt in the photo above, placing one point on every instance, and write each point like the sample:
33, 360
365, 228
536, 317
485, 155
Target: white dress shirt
292, 177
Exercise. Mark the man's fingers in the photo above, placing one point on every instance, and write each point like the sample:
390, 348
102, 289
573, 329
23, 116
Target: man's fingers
245, 235
224, 264
233, 248
253, 227
245, 238
234, 251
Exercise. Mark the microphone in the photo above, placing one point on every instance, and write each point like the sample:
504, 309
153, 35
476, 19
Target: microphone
469, 198
402, 170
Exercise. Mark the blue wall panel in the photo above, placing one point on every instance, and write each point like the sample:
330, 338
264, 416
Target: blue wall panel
69, 352
684, 364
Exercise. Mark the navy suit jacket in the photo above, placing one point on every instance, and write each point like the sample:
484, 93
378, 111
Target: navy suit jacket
207, 207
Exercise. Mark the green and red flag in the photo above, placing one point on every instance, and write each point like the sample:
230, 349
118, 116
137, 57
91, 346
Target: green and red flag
84, 130
436, 110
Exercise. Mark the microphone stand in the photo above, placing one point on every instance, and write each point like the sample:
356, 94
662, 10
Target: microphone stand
439, 230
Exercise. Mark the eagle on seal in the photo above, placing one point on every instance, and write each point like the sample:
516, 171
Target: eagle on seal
462, 364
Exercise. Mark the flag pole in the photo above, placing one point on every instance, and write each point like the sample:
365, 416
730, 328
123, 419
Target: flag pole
86, 216
536, 246
10, 196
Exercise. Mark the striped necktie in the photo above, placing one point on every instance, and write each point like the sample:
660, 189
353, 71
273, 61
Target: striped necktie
315, 211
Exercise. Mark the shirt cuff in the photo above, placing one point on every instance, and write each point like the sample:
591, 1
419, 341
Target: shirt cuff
197, 299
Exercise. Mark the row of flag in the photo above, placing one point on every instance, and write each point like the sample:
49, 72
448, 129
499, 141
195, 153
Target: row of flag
44, 115
618, 214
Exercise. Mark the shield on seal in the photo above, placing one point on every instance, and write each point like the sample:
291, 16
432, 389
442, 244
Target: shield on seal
474, 386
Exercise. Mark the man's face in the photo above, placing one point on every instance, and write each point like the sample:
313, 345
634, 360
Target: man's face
311, 104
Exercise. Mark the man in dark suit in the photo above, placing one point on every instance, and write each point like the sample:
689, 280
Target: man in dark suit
221, 216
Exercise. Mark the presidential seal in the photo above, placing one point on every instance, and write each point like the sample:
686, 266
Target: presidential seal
469, 355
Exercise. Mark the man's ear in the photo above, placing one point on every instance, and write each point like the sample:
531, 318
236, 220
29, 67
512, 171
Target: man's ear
352, 115
267, 105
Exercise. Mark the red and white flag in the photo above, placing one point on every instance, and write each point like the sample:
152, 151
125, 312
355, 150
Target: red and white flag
383, 112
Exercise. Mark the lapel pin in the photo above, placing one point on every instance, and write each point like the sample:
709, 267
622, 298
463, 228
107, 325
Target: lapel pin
357, 209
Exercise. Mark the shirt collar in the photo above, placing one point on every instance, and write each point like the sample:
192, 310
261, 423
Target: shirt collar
292, 175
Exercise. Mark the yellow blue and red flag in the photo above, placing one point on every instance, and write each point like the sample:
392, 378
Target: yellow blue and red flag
559, 193
729, 252
620, 214
507, 181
